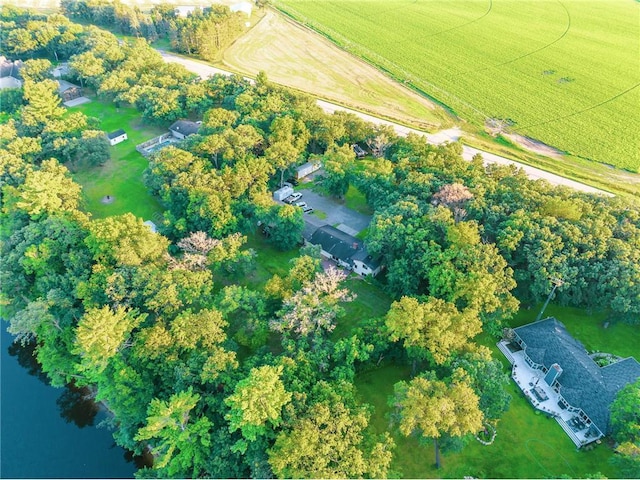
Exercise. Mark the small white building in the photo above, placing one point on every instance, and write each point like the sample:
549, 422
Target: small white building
117, 137
282, 193
307, 169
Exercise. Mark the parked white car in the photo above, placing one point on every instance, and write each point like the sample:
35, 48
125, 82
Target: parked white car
301, 204
293, 198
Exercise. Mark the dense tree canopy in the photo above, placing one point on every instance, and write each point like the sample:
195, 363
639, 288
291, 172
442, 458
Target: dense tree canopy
223, 361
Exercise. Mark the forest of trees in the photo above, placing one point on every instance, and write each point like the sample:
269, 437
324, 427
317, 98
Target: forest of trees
218, 377
204, 32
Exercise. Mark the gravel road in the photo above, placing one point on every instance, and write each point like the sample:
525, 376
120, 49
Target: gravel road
450, 135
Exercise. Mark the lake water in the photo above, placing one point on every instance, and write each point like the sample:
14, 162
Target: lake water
48, 432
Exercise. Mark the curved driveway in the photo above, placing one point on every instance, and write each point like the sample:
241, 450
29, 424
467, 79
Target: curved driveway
450, 135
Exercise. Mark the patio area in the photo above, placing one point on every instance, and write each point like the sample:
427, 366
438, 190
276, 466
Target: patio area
155, 144
546, 399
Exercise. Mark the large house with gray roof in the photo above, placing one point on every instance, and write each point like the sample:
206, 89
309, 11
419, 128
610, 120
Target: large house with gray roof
344, 249
561, 379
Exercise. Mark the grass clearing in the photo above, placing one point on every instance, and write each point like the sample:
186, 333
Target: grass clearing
269, 261
293, 56
121, 176
355, 200
370, 302
556, 69
528, 444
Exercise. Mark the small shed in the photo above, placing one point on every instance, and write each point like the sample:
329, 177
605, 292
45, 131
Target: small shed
282, 193
307, 169
117, 137
183, 128
68, 91
61, 70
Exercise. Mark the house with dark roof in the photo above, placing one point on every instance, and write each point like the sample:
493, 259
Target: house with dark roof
116, 137
560, 378
344, 249
183, 128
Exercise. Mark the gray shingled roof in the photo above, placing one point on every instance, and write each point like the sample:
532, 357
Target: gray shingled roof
115, 134
364, 257
336, 242
583, 383
185, 127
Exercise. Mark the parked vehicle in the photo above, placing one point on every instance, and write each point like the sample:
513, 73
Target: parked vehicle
307, 209
293, 198
300, 204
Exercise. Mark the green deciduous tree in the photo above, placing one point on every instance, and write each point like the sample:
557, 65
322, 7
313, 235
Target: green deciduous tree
436, 326
47, 190
428, 407
625, 414
338, 163
125, 240
257, 402
43, 104
328, 441
100, 334
180, 439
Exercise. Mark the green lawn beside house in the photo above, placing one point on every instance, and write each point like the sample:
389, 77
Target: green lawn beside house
528, 444
121, 176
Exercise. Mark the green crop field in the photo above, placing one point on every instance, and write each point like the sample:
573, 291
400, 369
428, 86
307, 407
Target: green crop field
566, 72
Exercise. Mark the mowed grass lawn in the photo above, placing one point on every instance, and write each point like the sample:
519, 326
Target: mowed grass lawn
528, 445
566, 72
121, 176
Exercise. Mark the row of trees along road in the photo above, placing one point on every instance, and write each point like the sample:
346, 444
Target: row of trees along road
221, 376
204, 32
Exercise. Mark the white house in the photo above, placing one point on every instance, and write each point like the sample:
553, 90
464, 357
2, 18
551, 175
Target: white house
344, 249
117, 137
183, 128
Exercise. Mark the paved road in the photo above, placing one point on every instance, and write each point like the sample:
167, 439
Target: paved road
450, 135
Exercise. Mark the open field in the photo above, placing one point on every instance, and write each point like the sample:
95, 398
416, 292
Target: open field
292, 56
121, 176
558, 70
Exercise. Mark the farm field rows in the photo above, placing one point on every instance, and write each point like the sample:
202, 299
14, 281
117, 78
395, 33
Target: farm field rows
564, 72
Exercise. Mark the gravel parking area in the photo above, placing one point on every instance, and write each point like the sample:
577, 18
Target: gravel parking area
338, 215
